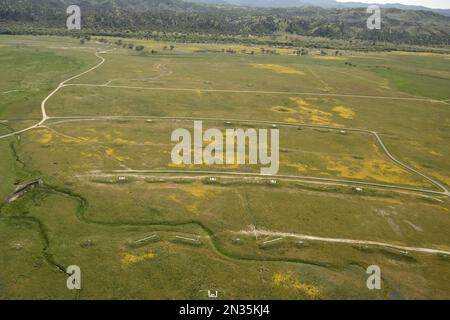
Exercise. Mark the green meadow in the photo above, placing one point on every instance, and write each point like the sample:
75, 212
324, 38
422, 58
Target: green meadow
141, 227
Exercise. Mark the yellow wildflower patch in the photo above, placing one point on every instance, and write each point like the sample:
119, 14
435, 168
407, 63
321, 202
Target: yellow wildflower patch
299, 166
443, 178
306, 112
286, 280
314, 111
129, 259
199, 191
123, 141
373, 169
324, 121
91, 155
193, 208
299, 101
45, 136
112, 153
278, 68
344, 112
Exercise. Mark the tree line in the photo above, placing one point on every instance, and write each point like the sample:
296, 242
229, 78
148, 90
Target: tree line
398, 26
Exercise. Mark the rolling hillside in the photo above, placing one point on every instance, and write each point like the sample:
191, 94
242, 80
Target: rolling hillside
146, 16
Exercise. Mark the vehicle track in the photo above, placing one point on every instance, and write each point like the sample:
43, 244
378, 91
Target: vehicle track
260, 232
45, 117
10, 91
259, 92
278, 176
444, 190
64, 83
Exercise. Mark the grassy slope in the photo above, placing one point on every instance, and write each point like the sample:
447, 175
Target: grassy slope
34, 72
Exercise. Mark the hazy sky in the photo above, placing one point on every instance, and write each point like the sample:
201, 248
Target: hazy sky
444, 4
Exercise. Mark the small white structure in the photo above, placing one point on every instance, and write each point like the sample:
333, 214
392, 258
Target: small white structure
122, 178
358, 189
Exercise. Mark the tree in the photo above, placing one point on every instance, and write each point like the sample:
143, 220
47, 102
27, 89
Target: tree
139, 48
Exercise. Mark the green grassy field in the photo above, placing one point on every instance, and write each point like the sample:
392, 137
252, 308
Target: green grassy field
245, 236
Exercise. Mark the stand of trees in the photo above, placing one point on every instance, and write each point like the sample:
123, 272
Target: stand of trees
181, 20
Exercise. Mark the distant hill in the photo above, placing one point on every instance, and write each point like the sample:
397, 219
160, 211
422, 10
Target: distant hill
145, 17
89, 5
318, 3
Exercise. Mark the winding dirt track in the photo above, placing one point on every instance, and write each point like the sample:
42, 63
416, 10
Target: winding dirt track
10, 91
444, 191
258, 232
61, 85
45, 117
